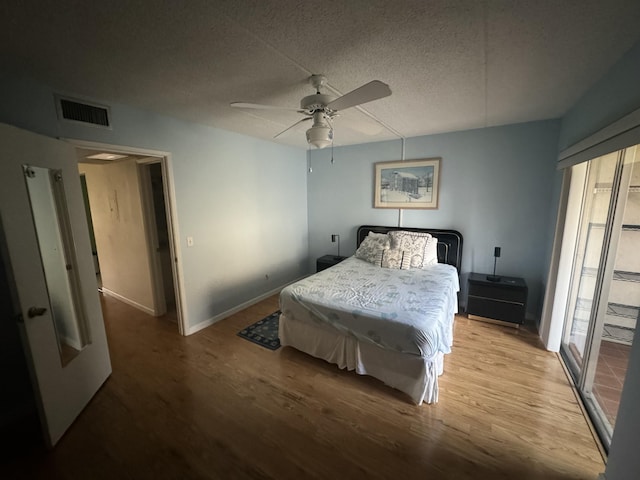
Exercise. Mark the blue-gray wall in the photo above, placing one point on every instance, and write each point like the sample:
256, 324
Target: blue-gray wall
243, 200
611, 98
614, 96
497, 187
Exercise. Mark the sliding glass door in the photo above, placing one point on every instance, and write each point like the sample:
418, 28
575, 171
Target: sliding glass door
604, 296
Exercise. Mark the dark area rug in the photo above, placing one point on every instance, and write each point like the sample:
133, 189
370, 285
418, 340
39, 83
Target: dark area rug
264, 332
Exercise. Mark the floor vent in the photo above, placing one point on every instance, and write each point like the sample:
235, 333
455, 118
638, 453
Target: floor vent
86, 113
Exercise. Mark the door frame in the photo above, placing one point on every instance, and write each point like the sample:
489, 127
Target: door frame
151, 229
172, 215
583, 373
607, 265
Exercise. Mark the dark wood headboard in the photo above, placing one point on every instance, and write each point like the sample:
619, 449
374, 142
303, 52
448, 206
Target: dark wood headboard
449, 241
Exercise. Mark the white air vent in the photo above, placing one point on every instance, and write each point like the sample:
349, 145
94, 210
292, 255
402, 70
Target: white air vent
82, 112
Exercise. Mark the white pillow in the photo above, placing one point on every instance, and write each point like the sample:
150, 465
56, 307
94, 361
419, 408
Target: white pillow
371, 247
397, 259
430, 253
414, 244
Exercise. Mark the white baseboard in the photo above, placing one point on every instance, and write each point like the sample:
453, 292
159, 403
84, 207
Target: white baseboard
221, 316
128, 301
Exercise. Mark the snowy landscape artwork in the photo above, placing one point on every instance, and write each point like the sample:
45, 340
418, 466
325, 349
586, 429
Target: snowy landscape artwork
407, 184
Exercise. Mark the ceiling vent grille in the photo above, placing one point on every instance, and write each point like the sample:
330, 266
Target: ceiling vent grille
83, 112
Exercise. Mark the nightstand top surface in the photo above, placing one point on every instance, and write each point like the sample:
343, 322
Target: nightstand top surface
481, 278
331, 258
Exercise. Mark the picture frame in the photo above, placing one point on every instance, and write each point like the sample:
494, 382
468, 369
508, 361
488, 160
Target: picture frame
410, 184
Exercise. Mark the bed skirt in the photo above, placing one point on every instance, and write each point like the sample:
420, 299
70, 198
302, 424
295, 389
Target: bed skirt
411, 374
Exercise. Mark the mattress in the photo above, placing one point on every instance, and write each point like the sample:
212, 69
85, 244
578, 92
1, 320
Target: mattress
406, 311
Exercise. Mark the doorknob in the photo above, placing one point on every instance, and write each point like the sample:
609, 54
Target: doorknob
36, 312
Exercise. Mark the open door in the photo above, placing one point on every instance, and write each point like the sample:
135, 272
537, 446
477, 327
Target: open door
49, 253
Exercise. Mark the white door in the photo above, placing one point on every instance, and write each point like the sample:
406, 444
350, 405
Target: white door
47, 239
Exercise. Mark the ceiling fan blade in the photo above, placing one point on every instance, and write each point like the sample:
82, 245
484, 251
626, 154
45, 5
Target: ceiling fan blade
294, 125
366, 93
257, 106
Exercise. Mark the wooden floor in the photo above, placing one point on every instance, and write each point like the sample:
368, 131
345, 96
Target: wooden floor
214, 405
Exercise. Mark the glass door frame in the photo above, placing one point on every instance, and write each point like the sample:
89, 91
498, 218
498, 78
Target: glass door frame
572, 362
584, 374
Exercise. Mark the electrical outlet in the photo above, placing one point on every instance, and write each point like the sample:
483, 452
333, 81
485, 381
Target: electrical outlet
189, 241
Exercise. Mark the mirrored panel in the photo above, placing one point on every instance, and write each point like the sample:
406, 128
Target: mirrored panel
51, 220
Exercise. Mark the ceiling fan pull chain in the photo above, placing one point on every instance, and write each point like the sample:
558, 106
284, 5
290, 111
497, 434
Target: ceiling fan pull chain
332, 151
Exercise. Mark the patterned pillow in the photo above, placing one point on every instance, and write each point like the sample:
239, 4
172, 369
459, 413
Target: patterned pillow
414, 244
370, 248
394, 258
431, 253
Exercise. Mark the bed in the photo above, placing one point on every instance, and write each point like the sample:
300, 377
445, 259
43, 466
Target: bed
394, 323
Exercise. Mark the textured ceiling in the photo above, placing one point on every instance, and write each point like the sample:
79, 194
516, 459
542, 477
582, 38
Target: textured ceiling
451, 65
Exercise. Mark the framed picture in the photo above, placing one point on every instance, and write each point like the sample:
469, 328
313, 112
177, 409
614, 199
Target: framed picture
407, 184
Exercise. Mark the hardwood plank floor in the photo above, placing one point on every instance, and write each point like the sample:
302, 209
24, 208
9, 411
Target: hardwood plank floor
214, 405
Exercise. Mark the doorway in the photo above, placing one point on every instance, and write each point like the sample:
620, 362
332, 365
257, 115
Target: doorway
152, 188
130, 202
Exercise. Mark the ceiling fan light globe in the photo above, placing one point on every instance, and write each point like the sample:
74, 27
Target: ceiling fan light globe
320, 136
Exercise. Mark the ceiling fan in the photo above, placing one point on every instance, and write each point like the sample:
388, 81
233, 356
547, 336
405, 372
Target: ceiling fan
323, 108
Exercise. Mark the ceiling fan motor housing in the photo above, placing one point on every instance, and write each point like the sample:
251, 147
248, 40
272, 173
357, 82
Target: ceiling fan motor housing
315, 102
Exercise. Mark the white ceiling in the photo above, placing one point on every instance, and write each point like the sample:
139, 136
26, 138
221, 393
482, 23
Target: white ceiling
451, 65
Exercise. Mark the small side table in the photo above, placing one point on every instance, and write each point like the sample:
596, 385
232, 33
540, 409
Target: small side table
504, 301
327, 261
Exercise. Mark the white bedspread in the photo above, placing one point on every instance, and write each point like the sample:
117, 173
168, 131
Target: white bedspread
409, 311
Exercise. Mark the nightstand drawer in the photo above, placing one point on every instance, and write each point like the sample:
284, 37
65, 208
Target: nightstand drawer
497, 309
504, 300
498, 291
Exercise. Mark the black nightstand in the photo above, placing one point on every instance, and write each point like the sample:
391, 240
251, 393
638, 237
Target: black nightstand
327, 261
505, 300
